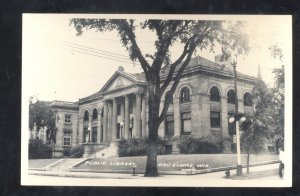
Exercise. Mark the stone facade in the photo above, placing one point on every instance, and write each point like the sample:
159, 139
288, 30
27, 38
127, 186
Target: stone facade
202, 104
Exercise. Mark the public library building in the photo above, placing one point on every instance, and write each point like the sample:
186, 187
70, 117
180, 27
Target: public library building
201, 105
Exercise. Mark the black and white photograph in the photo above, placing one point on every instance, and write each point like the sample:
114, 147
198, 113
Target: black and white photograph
156, 100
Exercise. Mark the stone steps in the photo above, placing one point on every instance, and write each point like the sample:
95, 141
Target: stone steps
65, 164
109, 151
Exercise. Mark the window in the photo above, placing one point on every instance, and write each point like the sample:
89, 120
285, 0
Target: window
118, 109
185, 95
67, 118
214, 94
215, 119
95, 113
169, 129
247, 99
86, 116
67, 139
130, 107
166, 97
231, 97
86, 137
186, 123
94, 139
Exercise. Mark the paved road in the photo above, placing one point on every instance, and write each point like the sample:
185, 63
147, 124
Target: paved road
259, 176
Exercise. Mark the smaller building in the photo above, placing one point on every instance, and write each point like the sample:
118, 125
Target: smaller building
67, 127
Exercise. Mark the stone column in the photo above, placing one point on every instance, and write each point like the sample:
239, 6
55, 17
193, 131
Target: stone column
241, 105
122, 117
81, 133
114, 119
177, 118
144, 123
110, 118
105, 127
137, 119
126, 117
90, 127
99, 127
196, 115
205, 114
224, 116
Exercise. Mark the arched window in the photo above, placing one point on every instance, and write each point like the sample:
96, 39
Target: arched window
95, 113
185, 94
166, 97
214, 94
231, 97
247, 99
86, 116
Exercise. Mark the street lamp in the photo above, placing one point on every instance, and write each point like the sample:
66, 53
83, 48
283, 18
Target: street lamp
238, 118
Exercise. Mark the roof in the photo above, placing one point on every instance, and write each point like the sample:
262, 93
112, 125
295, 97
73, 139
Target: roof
196, 63
64, 105
200, 63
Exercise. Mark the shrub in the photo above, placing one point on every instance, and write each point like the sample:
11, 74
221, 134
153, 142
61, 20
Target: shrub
76, 151
39, 150
137, 147
66, 152
207, 145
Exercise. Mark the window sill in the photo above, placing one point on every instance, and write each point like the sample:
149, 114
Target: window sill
216, 128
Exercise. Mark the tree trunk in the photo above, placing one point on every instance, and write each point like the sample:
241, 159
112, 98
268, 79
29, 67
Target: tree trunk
154, 101
248, 160
151, 165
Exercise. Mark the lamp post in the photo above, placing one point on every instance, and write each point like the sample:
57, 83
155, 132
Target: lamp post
239, 170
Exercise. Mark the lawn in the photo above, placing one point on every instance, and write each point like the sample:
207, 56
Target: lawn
40, 163
168, 162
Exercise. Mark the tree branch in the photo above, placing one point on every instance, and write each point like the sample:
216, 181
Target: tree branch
173, 67
129, 32
164, 47
175, 84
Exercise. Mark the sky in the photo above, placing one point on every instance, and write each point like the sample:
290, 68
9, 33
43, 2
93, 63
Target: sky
54, 66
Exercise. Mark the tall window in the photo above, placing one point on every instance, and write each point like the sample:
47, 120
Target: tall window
247, 99
185, 94
214, 94
130, 107
166, 97
95, 113
186, 123
118, 109
169, 129
231, 97
215, 120
86, 116
67, 139
86, 135
67, 118
94, 129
